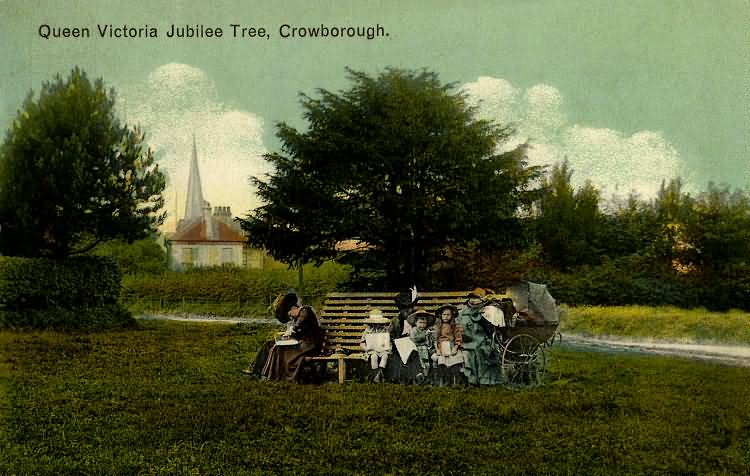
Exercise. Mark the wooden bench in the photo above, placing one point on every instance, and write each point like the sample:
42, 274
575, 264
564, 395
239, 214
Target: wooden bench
343, 314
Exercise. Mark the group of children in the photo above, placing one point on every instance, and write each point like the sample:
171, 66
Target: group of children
437, 345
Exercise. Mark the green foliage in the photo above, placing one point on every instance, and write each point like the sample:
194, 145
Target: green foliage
569, 222
42, 282
169, 399
234, 285
80, 292
398, 162
143, 256
104, 316
621, 281
639, 280
72, 176
634, 229
675, 250
716, 232
470, 266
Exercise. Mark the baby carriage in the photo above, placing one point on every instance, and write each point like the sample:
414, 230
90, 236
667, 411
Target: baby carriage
524, 322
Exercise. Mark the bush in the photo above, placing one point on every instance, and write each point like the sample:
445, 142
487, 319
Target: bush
107, 316
636, 280
77, 292
144, 256
234, 284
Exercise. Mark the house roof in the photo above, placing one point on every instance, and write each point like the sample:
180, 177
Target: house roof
196, 232
352, 245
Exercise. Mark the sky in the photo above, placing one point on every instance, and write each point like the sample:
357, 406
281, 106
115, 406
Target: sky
629, 92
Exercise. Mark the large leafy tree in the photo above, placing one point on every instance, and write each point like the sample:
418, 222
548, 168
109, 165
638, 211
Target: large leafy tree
398, 162
716, 233
72, 176
569, 221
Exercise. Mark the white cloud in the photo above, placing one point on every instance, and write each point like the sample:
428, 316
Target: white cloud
496, 99
179, 100
614, 162
543, 112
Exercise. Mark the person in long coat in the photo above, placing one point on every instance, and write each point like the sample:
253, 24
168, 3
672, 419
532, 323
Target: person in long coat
256, 369
403, 368
481, 359
285, 362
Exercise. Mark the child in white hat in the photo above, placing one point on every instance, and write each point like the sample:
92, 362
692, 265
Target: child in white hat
376, 342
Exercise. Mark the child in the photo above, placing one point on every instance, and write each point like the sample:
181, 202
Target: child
448, 348
424, 338
376, 343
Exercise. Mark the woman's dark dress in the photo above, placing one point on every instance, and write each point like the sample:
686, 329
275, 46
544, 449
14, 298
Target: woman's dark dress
285, 362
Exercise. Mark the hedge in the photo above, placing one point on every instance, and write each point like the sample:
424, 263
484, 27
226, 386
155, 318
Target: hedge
234, 284
637, 281
79, 292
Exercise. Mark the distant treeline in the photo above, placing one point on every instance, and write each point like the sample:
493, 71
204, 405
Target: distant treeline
676, 249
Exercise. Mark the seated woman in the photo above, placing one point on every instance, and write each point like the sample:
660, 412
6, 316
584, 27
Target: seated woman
481, 359
282, 359
405, 366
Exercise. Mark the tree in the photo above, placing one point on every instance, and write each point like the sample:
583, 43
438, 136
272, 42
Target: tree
144, 256
72, 176
569, 222
398, 162
716, 232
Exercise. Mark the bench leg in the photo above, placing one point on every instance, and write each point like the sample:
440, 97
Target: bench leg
342, 370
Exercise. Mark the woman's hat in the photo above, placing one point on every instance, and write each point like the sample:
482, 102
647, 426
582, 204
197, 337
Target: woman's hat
407, 299
439, 311
283, 304
421, 314
478, 293
376, 317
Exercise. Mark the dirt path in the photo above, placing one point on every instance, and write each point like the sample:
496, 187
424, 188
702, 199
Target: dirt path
203, 318
728, 354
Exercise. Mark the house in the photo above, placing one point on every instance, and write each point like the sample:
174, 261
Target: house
206, 236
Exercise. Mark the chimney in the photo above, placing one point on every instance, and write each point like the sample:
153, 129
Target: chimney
208, 221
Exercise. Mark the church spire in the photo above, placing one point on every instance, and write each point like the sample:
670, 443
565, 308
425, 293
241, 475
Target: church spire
194, 200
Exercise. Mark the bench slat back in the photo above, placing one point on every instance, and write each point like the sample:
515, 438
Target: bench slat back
343, 314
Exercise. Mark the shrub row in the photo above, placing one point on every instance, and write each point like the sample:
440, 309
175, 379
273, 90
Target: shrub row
622, 281
634, 280
107, 316
233, 284
79, 292
85, 281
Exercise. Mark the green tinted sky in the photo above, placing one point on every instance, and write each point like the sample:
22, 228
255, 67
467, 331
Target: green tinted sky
666, 79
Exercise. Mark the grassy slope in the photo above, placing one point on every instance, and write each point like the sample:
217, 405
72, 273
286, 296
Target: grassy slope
667, 323
169, 399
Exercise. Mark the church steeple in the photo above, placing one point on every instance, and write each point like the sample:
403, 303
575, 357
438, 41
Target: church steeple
194, 202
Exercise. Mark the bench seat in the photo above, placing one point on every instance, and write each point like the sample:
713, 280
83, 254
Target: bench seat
342, 320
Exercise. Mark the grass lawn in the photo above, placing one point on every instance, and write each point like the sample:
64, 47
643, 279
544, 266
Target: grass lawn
169, 398
662, 322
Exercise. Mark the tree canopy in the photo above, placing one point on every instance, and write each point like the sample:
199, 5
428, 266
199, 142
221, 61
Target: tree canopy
397, 162
569, 221
71, 175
